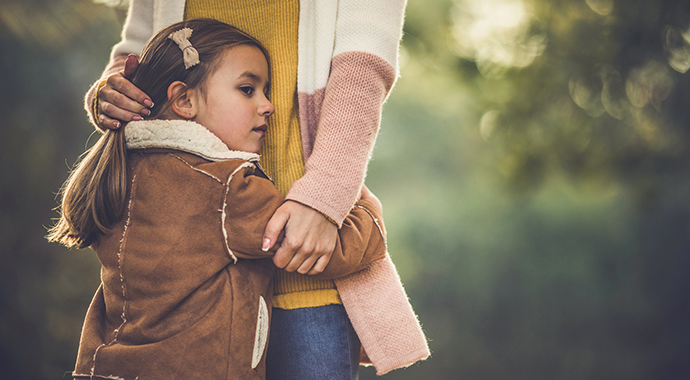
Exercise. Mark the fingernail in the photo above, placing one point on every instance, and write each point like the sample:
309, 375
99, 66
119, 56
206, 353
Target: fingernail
146, 112
148, 103
267, 245
116, 124
137, 118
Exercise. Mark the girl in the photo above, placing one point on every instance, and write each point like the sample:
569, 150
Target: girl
177, 217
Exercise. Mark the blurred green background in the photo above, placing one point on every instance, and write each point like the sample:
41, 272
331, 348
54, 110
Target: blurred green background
533, 162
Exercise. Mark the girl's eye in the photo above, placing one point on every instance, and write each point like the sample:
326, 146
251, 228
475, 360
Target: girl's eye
248, 90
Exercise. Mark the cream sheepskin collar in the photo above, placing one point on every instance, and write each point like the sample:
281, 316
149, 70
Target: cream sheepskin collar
183, 135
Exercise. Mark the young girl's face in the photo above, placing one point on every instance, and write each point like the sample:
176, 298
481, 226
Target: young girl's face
235, 106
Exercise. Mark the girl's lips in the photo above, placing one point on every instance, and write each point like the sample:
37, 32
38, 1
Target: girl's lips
261, 129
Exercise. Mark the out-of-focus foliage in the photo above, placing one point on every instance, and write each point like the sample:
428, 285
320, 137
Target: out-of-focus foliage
532, 162
595, 89
534, 156
119, 4
55, 24
52, 50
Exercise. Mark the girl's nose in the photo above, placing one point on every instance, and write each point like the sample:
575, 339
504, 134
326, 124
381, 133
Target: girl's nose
266, 108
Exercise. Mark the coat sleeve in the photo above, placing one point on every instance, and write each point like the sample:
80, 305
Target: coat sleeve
363, 69
361, 242
250, 202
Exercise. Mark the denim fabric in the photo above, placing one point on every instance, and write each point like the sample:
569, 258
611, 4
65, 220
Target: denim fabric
316, 343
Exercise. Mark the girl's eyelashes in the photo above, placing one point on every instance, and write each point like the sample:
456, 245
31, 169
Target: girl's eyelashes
248, 90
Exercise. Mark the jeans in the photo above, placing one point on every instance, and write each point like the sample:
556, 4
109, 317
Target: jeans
316, 343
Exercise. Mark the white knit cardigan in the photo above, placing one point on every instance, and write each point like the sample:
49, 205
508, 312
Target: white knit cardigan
347, 64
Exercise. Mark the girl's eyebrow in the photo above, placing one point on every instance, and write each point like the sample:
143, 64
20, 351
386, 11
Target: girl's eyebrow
250, 75
254, 77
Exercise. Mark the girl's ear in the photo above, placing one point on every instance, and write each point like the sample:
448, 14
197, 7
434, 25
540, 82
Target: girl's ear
183, 101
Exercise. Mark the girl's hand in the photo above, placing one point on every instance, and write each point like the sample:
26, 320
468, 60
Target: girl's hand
309, 238
119, 101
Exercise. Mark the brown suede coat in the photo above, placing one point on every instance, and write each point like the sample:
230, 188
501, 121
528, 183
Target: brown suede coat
186, 289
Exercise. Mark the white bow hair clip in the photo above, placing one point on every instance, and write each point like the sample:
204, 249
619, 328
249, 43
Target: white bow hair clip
181, 38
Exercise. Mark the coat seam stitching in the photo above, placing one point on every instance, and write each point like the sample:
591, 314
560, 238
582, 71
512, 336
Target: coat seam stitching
196, 169
120, 255
376, 222
223, 214
110, 377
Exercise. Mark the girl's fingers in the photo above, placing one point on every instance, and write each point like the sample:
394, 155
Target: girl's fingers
306, 256
307, 264
320, 265
282, 258
308, 236
273, 228
290, 255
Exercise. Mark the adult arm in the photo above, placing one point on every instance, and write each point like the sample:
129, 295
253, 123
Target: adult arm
339, 122
251, 201
119, 101
363, 69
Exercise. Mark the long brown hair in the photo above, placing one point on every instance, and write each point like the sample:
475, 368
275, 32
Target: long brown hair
94, 195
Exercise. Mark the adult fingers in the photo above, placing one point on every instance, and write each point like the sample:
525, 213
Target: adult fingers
133, 99
107, 122
131, 65
108, 111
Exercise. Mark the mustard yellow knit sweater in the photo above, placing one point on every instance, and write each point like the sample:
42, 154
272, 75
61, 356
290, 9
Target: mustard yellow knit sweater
275, 24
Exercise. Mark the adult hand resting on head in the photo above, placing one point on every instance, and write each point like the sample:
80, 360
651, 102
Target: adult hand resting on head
119, 101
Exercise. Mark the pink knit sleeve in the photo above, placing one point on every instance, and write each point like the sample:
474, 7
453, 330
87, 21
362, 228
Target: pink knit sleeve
382, 316
340, 122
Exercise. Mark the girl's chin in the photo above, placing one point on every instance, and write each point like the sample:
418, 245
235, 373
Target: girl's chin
256, 149
247, 149
253, 146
